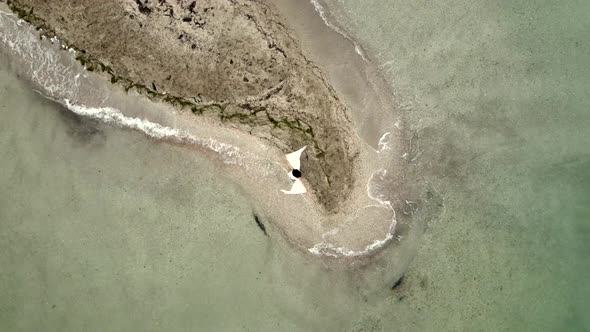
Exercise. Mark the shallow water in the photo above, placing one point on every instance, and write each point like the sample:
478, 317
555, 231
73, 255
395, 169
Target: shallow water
103, 227
498, 97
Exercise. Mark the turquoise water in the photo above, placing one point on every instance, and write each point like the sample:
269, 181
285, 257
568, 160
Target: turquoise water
106, 229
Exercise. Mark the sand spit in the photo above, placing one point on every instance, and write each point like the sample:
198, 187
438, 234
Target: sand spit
232, 61
378, 204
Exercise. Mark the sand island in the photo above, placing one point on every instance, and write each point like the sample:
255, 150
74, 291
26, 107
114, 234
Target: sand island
226, 59
250, 75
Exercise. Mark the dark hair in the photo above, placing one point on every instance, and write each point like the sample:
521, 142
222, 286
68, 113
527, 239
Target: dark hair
296, 173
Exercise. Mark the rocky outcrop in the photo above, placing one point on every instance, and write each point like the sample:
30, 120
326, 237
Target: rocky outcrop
232, 60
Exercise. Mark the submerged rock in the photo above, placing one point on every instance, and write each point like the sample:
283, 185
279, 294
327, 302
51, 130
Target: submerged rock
398, 283
260, 224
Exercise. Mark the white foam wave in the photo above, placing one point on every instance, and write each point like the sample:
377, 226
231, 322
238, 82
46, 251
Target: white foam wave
45, 66
384, 143
325, 248
376, 193
322, 12
230, 154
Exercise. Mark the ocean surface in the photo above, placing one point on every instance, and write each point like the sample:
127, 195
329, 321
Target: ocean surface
106, 228
498, 94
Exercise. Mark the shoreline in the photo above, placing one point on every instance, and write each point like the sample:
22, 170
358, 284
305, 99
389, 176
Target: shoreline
359, 228
282, 95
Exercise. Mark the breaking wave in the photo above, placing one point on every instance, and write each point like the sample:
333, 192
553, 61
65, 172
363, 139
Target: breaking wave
231, 155
322, 12
44, 67
376, 191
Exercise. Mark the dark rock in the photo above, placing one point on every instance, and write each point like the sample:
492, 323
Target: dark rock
398, 283
260, 224
143, 8
191, 7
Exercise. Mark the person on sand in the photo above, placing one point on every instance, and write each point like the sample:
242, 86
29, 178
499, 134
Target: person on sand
293, 159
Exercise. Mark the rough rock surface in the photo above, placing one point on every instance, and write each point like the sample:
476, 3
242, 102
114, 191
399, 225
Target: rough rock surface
232, 60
